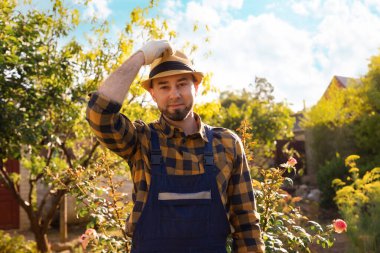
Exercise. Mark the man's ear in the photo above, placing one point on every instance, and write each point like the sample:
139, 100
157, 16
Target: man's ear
152, 94
196, 86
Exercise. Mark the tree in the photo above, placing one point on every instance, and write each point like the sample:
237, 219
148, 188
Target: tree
41, 103
268, 120
44, 87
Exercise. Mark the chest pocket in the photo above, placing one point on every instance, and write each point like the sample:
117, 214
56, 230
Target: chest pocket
185, 206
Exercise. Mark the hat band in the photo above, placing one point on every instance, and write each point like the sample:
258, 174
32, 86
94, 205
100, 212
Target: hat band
169, 65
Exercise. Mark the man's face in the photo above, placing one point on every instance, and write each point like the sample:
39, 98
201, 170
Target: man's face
174, 95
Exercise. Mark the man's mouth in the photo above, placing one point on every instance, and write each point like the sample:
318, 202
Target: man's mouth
175, 105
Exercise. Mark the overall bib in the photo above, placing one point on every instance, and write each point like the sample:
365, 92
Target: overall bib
183, 214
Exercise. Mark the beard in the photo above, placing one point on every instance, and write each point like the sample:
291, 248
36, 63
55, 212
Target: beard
178, 114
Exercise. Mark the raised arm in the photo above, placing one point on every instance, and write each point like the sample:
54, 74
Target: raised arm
114, 130
117, 85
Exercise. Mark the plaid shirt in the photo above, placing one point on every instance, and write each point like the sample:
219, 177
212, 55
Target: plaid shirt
182, 155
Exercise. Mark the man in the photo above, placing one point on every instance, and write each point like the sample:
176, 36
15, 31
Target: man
191, 181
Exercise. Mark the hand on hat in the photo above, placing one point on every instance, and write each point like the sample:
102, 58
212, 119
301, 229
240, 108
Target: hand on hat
154, 49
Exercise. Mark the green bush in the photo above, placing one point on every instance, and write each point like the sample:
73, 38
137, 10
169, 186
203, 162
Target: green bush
358, 200
332, 169
15, 244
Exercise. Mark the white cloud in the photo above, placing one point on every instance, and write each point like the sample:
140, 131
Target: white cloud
98, 8
171, 8
263, 46
223, 4
204, 14
210, 12
373, 4
298, 62
299, 9
306, 7
348, 38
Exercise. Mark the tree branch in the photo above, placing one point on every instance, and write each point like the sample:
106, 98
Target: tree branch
67, 154
92, 151
131, 99
50, 154
43, 202
31, 187
53, 208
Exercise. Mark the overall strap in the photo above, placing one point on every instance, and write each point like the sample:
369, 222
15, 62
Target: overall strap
156, 162
208, 160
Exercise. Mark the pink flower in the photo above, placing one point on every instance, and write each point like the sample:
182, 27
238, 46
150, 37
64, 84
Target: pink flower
339, 226
84, 240
291, 161
89, 235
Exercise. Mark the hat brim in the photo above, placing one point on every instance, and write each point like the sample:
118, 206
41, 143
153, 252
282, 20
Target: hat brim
146, 84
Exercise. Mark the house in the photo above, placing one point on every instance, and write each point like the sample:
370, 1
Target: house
337, 82
302, 139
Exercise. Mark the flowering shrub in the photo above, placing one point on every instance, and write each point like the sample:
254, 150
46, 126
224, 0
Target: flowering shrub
100, 194
358, 200
285, 228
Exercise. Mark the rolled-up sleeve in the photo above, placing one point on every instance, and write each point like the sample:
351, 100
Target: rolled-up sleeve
114, 130
243, 216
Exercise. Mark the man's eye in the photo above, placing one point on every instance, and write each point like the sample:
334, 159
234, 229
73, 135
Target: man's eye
163, 87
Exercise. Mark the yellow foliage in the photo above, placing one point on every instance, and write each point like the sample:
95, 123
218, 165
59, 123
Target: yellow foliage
362, 191
340, 107
337, 182
353, 170
172, 34
296, 199
75, 17
208, 110
136, 15
350, 160
256, 184
195, 27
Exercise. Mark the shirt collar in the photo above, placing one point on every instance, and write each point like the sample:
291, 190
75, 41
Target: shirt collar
169, 130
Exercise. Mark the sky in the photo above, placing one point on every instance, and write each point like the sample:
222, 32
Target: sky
297, 45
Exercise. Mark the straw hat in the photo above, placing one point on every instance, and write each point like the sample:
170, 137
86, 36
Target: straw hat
169, 65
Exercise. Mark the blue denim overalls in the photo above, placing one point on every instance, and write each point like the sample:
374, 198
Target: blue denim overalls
182, 213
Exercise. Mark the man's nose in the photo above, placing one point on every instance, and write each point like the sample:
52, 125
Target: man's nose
174, 92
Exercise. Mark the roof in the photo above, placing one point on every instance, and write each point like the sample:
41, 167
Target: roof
345, 81
342, 82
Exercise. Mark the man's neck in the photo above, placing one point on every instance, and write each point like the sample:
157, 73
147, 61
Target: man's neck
188, 124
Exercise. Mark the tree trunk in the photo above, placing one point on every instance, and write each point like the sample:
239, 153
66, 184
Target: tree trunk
42, 242
41, 238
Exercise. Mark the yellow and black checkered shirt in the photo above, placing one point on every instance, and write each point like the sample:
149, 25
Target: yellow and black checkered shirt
183, 155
